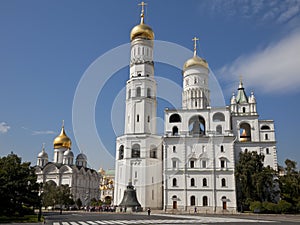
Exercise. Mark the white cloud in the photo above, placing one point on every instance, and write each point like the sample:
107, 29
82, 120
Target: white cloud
39, 132
275, 68
4, 127
276, 10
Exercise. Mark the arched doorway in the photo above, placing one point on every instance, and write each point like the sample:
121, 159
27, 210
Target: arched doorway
224, 203
174, 198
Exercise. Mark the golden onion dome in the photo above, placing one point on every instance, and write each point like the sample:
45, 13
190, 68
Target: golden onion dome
62, 140
142, 30
195, 61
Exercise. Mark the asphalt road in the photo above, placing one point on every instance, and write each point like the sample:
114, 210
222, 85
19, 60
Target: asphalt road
95, 218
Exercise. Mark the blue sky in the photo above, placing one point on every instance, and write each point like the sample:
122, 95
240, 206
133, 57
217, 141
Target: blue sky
46, 47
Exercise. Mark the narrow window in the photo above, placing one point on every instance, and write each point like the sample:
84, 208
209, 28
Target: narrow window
137, 118
204, 201
203, 164
148, 93
138, 92
222, 148
204, 181
175, 131
152, 194
174, 183
222, 163
244, 109
129, 93
193, 182
135, 174
148, 119
193, 200
174, 163
192, 164
267, 151
174, 148
266, 136
223, 182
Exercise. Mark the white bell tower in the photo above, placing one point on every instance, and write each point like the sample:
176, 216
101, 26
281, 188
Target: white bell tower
139, 150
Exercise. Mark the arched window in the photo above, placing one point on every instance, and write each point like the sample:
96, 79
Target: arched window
245, 132
153, 152
217, 117
204, 181
135, 151
192, 182
222, 148
174, 182
121, 152
244, 109
204, 201
266, 136
174, 148
246, 150
197, 126
265, 127
148, 93
267, 151
175, 118
223, 182
138, 92
193, 202
175, 131
224, 200
219, 129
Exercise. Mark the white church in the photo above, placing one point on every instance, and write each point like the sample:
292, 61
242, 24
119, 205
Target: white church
193, 164
83, 181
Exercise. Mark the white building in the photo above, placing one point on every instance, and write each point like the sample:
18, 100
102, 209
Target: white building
201, 144
83, 181
138, 151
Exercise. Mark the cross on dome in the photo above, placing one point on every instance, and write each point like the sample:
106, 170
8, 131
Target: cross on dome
195, 39
142, 11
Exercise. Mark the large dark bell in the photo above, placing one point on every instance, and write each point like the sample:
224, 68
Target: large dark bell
130, 199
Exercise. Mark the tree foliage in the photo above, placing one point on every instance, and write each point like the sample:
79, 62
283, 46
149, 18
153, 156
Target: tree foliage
54, 195
290, 185
254, 181
18, 187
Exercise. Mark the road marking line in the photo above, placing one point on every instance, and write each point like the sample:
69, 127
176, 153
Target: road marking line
73, 223
83, 223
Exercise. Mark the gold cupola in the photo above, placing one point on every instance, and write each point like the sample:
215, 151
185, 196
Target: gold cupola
195, 60
62, 140
142, 30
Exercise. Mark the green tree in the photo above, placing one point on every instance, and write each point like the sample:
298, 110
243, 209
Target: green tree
54, 195
254, 181
290, 185
63, 197
18, 187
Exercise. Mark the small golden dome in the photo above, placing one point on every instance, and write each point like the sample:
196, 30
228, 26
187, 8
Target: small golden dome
142, 31
62, 140
195, 61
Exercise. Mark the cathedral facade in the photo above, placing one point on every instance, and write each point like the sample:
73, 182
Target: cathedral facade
192, 166
83, 181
